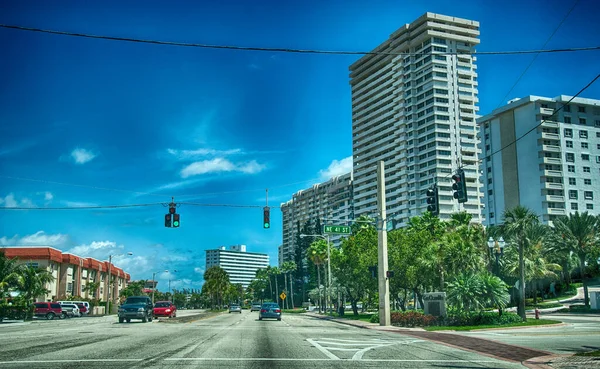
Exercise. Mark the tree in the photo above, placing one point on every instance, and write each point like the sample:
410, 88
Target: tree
465, 293
216, 284
494, 290
91, 288
275, 272
9, 272
581, 234
288, 268
32, 283
133, 289
516, 221
317, 253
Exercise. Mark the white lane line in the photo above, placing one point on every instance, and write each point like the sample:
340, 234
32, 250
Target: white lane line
313, 359
67, 361
354, 344
323, 349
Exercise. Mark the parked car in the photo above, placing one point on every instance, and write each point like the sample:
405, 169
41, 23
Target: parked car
270, 310
70, 309
233, 308
255, 306
49, 310
165, 308
136, 307
83, 309
85, 303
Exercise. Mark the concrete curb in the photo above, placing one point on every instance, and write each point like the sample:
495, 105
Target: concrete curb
189, 318
541, 362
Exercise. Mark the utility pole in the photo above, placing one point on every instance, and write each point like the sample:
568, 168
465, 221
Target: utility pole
107, 312
382, 254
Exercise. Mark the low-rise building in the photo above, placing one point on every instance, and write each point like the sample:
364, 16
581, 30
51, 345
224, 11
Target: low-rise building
72, 274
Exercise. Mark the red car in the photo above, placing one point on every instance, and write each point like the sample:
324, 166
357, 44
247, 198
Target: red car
82, 309
49, 310
165, 308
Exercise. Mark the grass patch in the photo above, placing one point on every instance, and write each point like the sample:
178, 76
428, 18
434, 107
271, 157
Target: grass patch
544, 305
589, 353
365, 317
579, 309
293, 311
529, 322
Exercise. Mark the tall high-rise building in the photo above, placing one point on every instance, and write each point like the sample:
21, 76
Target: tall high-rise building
554, 170
330, 202
241, 266
417, 113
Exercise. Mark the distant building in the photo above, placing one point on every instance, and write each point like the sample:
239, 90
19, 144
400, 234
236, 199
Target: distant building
417, 113
554, 170
330, 201
241, 266
280, 255
71, 273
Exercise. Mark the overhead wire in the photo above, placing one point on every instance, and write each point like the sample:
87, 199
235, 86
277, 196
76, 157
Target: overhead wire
538, 54
283, 50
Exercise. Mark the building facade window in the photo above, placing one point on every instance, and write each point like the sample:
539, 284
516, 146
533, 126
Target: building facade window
570, 157
568, 132
572, 194
585, 157
586, 170
589, 206
574, 206
588, 195
571, 168
583, 134
584, 145
569, 144
572, 181
587, 181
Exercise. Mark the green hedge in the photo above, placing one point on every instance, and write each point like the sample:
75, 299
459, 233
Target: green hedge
293, 311
13, 312
408, 319
491, 318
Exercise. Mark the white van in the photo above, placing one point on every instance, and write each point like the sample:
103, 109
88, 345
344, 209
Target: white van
84, 303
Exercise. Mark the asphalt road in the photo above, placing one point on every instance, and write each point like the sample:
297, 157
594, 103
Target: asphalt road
580, 333
223, 341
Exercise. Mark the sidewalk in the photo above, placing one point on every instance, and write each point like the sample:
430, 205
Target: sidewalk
497, 350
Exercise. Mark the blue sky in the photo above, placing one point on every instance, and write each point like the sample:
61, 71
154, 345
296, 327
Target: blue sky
102, 122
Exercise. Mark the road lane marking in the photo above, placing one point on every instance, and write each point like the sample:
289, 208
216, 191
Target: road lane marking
315, 359
68, 361
323, 349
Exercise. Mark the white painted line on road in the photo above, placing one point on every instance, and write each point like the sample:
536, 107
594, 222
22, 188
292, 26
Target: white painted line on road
314, 359
68, 361
323, 350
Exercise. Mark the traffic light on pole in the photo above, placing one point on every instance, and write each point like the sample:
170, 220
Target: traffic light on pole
266, 217
433, 201
175, 220
460, 186
168, 220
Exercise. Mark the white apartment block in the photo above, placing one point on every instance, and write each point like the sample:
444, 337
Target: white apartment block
330, 201
554, 170
417, 113
241, 266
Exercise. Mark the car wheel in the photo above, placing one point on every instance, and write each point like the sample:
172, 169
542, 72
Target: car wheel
63, 316
50, 316
259, 318
128, 320
121, 320
279, 319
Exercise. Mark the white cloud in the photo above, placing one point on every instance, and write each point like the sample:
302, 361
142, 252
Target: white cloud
82, 156
39, 238
203, 152
199, 270
78, 204
98, 249
220, 165
337, 168
9, 201
48, 196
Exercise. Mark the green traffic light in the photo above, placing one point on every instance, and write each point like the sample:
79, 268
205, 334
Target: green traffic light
175, 224
267, 225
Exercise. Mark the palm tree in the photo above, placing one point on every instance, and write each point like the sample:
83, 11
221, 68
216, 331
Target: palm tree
289, 267
217, 283
9, 271
32, 283
275, 272
516, 221
317, 253
494, 290
465, 293
581, 233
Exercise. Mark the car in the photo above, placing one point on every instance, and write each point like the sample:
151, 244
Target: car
235, 308
270, 310
72, 310
255, 306
136, 307
49, 310
165, 308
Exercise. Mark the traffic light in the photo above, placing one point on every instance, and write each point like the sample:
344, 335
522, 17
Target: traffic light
373, 270
389, 274
175, 220
460, 186
266, 217
433, 201
168, 220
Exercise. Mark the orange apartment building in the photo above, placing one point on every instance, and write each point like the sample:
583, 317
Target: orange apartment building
71, 273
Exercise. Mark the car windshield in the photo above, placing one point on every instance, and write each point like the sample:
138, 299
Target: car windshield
136, 300
162, 304
235, 306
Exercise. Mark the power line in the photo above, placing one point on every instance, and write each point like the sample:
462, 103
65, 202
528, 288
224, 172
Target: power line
286, 50
536, 55
542, 121
87, 207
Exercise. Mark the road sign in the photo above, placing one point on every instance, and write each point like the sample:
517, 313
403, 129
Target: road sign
283, 295
336, 229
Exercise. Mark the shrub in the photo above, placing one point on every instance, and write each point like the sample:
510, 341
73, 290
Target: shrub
374, 318
13, 312
408, 319
491, 318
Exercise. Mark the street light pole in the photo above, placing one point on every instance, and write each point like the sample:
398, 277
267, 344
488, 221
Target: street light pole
154, 284
496, 248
